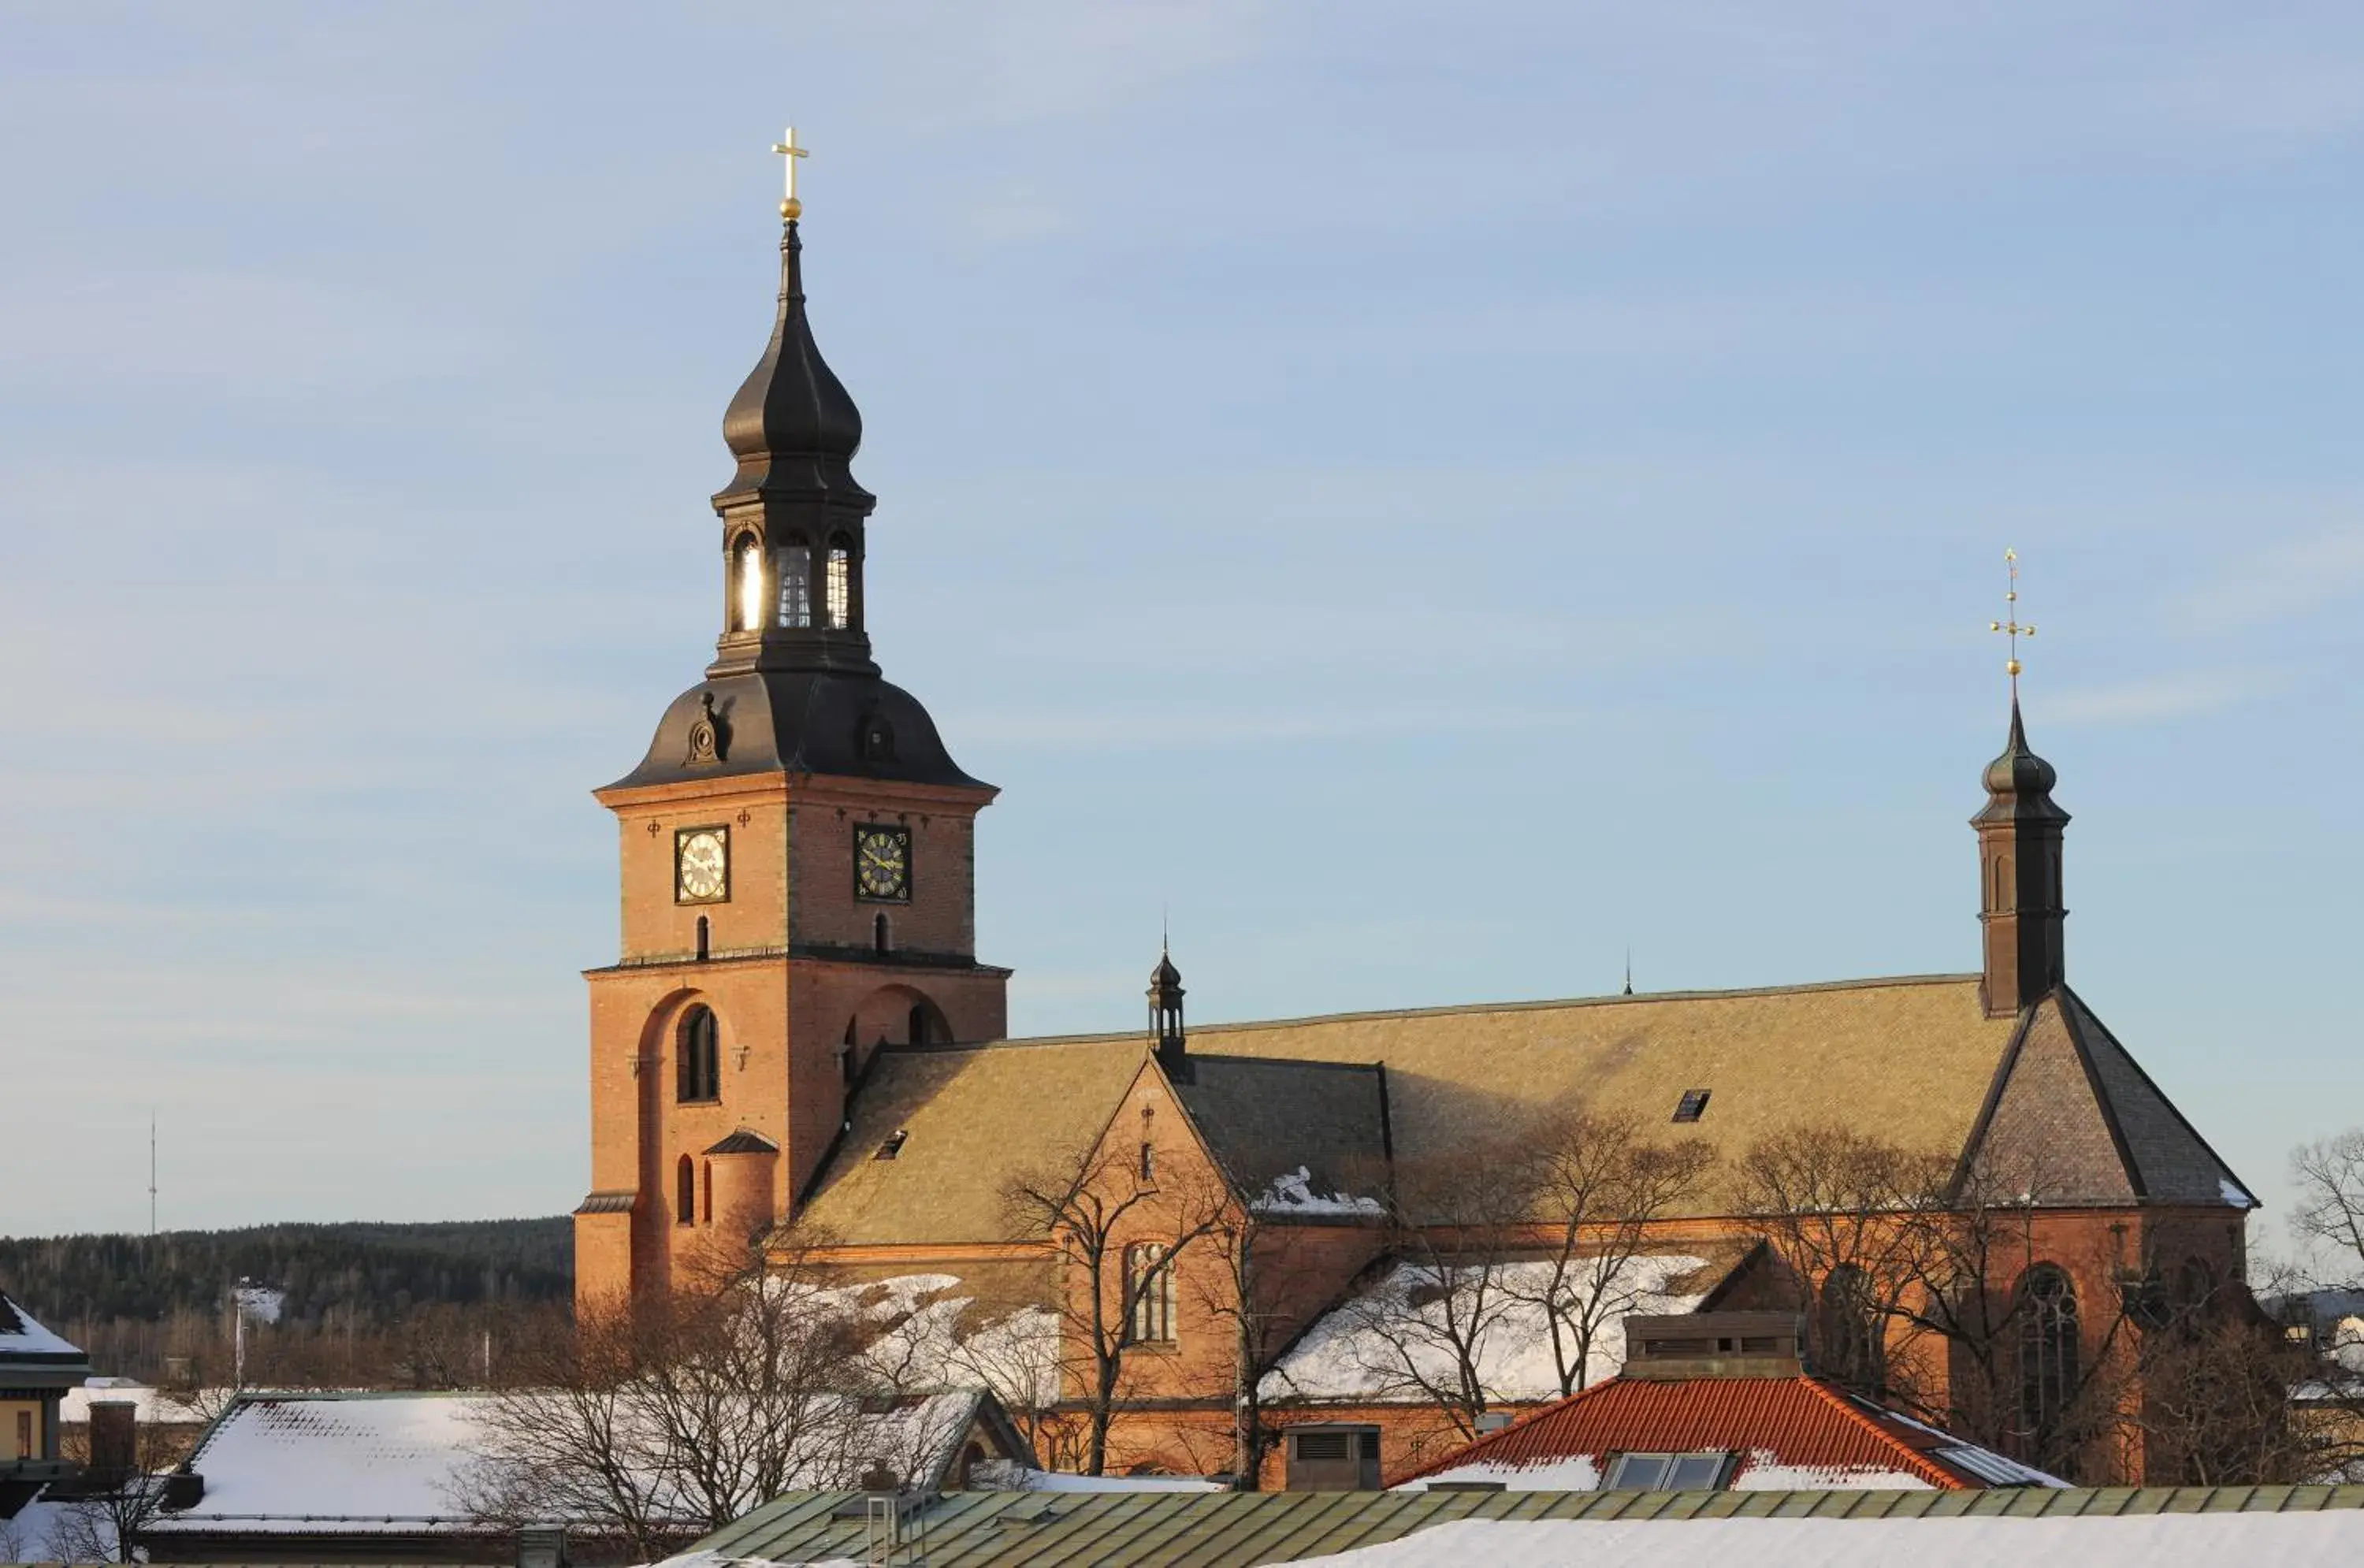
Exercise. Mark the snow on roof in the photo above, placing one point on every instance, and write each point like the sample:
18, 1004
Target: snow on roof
1292, 1193
305, 1463
999, 1475
2332, 1539
1369, 1348
1792, 1434
924, 1346
153, 1403
294, 1462
21, 1336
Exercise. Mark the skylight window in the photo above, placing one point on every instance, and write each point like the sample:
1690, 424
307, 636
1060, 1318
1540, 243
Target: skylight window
1693, 1105
1667, 1472
894, 1144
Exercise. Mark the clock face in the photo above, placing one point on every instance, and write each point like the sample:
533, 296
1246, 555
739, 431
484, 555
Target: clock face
882, 863
701, 865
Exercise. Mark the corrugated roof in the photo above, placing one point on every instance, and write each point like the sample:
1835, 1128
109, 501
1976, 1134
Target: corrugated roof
1795, 1423
1241, 1529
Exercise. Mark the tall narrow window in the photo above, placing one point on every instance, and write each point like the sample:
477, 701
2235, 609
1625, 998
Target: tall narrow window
685, 1195
841, 585
698, 1056
706, 1180
918, 1023
878, 934
747, 585
794, 563
1852, 1351
1149, 1282
2047, 1366
705, 939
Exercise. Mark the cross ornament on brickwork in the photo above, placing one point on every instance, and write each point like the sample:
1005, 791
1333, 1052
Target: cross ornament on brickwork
2010, 625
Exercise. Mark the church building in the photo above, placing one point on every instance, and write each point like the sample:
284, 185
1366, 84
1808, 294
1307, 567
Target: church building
797, 1032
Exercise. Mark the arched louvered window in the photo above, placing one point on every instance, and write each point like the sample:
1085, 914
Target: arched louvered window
698, 1056
839, 586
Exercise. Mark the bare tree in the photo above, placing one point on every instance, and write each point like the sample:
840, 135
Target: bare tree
1601, 1185
2329, 1176
1098, 1208
1454, 1221
671, 1419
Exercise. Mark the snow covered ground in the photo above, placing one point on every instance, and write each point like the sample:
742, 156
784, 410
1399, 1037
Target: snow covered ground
2333, 1538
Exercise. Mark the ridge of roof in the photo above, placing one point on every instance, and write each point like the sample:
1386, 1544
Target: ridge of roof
1827, 1395
1644, 998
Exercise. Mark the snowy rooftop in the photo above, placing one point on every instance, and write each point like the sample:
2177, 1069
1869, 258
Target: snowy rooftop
2118, 1528
398, 1463
1382, 1344
24, 1339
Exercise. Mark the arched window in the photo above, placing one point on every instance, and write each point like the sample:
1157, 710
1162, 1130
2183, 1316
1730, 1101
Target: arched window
793, 564
839, 587
1149, 1281
705, 939
685, 1195
746, 584
878, 933
1852, 1350
2047, 1365
706, 1182
698, 1056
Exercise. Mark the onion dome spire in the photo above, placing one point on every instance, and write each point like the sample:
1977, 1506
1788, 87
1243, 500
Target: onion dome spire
2022, 910
792, 426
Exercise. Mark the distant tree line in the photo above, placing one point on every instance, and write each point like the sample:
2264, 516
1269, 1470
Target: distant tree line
359, 1305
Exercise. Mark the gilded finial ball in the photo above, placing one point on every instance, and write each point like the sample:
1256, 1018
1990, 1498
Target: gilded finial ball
792, 209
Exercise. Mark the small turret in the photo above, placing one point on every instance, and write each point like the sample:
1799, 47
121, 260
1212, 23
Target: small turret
1166, 1032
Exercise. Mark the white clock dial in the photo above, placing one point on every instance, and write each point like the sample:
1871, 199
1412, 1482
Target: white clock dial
701, 866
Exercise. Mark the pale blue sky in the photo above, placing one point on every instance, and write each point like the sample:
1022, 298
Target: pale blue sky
1431, 494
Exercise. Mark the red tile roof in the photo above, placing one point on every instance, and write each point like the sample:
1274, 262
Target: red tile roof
1794, 1422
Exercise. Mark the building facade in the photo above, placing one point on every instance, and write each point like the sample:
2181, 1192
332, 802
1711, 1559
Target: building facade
796, 1039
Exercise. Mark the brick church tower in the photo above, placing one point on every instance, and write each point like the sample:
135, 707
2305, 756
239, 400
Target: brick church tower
797, 862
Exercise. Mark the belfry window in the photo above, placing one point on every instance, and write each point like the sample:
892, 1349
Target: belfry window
746, 585
794, 563
698, 1056
841, 585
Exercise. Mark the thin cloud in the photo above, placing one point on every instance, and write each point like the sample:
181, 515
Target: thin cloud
2292, 579
2165, 698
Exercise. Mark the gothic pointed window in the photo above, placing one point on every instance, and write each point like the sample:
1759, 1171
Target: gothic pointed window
840, 586
1149, 1282
746, 584
2047, 1365
793, 564
698, 1056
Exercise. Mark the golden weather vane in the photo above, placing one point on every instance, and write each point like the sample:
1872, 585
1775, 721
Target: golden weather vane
2010, 625
790, 208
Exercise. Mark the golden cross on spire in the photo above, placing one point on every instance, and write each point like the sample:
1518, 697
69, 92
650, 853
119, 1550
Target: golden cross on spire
2010, 625
790, 208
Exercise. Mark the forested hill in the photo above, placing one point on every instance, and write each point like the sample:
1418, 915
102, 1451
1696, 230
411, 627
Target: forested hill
375, 1273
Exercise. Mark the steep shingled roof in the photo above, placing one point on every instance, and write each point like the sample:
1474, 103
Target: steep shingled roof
1914, 1060
1266, 1117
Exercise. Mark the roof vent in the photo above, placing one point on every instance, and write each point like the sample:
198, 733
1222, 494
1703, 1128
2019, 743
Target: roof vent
894, 1144
1692, 1107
